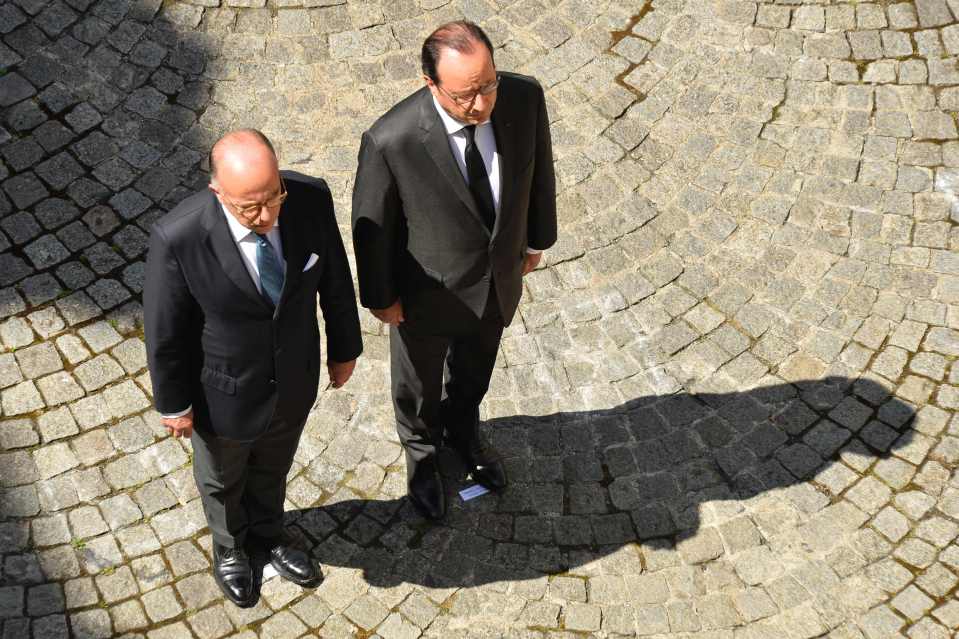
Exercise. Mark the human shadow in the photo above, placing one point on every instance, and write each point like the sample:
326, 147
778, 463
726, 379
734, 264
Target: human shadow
586, 484
106, 114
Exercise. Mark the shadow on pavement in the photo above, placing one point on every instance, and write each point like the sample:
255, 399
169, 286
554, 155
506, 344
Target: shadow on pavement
106, 113
584, 485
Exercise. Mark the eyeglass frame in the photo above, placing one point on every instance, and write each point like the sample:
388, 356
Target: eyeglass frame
249, 213
464, 102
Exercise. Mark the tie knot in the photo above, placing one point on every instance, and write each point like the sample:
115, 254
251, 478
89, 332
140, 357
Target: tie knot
470, 131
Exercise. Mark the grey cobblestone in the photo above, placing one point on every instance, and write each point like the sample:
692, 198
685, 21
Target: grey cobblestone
19, 468
91, 624
124, 398
86, 521
98, 372
93, 447
10, 373
80, 592
734, 229
89, 484
150, 572
49, 531
57, 424
117, 585
76, 308
128, 616
59, 388
137, 541
131, 354
54, 459
38, 360
130, 435
119, 511
100, 553
57, 493
210, 622
72, 349
16, 333
90, 411
46, 322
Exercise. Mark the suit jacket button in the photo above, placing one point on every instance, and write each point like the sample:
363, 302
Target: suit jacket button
273, 382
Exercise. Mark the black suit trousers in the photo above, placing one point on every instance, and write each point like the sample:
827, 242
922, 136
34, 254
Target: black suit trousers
242, 484
439, 381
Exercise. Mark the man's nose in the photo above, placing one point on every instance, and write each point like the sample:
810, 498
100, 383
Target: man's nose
263, 215
482, 102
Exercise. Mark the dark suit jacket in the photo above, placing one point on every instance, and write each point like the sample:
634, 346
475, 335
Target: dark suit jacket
417, 232
214, 342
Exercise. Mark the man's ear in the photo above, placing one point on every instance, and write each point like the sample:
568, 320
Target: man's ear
215, 188
430, 84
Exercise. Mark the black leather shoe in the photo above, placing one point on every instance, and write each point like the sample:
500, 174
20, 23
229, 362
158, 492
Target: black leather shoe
234, 575
489, 471
426, 490
483, 463
295, 565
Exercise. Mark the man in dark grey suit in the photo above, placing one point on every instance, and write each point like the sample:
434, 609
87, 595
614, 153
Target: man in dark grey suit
453, 203
234, 347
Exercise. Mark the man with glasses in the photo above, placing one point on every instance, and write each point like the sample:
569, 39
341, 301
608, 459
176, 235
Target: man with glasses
453, 203
233, 344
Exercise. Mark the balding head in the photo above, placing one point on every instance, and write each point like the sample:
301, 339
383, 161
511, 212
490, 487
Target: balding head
244, 171
461, 36
459, 70
241, 148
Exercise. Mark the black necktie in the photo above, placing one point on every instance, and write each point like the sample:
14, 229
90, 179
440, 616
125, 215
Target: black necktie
479, 178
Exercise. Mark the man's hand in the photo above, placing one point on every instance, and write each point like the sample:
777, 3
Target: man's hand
340, 372
530, 262
179, 426
392, 315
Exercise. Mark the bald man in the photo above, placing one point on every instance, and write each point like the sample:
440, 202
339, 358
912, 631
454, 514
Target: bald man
233, 343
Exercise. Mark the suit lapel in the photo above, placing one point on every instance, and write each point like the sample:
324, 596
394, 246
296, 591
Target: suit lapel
505, 146
294, 251
227, 254
437, 145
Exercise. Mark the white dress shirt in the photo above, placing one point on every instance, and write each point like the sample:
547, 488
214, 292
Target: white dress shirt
246, 243
486, 142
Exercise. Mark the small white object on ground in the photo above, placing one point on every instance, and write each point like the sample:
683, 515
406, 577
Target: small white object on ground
472, 492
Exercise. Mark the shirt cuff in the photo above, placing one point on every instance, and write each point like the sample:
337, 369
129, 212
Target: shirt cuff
179, 414
531, 251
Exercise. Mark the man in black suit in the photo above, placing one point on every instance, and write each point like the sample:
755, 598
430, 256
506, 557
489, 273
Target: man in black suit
453, 203
234, 347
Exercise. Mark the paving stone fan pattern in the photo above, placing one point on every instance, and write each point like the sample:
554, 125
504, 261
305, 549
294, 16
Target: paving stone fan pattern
729, 398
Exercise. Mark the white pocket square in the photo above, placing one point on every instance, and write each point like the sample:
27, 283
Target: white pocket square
310, 262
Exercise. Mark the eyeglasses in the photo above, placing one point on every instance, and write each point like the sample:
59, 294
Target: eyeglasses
250, 212
467, 100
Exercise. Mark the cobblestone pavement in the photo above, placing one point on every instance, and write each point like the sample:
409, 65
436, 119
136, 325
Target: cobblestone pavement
730, 399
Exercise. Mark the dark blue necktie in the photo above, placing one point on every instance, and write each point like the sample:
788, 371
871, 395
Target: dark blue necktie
271, 273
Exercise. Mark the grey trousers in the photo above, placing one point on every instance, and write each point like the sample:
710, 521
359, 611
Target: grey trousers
242, 485
439, 381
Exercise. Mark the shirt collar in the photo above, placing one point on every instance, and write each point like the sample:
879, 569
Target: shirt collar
237, 230
451, 124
